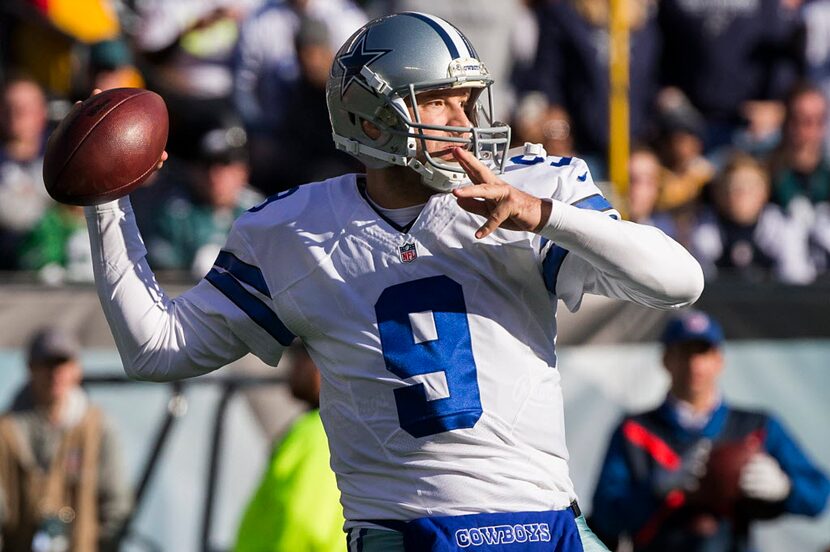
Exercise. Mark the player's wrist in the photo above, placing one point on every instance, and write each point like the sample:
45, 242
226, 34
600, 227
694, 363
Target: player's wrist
121, 205
545, 209
552, 218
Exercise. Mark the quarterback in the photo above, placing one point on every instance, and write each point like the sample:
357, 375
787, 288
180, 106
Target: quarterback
426, 292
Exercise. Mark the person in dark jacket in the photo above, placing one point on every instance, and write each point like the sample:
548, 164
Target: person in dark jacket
724, 55
571, 69
657, 460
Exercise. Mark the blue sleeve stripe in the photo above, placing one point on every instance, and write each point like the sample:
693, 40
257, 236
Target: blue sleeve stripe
563, 161
242, 271
556, 254
551, 265
256, 310
596, 202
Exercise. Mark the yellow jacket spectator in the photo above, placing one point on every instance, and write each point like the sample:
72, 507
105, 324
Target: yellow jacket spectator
297, 505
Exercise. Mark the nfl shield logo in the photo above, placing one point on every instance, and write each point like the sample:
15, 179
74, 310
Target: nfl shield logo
408, 252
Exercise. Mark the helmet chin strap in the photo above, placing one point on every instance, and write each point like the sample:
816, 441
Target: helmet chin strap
435, 178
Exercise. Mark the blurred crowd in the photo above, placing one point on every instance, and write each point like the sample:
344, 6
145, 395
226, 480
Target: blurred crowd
727, 100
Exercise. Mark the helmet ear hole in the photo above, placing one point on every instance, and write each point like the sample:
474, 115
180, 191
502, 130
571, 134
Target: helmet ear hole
370, 129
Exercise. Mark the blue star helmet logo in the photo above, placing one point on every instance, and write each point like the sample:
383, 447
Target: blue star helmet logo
354, 60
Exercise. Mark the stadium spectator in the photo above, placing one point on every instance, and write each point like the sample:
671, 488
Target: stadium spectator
297, 503
723, 54
200, 201
524, 46
747, 237
411, 295
188, 45
816, 17
58, 247
185, 51
48, 40
538, 122
306, 132
60, 463
111, 66
644, 184
270, 79
644, 181
23, 131
657, 460
801, 169
680, 146
572, 69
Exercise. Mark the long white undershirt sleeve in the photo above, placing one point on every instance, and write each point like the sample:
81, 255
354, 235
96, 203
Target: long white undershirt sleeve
158, 338
620, 259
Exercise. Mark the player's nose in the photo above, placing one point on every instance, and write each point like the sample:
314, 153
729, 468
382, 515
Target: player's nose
459, 117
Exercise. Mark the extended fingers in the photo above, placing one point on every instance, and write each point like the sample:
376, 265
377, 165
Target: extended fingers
494, 213
474, 168
474, 206
495, 192
497, 216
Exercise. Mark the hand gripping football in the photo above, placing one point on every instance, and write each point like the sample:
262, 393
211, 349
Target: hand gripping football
719, 490
106, 147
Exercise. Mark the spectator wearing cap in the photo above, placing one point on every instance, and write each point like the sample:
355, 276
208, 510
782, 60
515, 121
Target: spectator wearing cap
186, 230
680, 147
60, 464
111, 66
655, 460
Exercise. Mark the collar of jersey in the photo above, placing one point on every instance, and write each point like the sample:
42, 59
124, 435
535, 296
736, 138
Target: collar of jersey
435, 215
361, 187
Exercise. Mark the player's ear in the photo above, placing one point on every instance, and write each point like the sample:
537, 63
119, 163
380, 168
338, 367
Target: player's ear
370, 129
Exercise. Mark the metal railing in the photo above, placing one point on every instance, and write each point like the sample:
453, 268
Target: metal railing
177, 407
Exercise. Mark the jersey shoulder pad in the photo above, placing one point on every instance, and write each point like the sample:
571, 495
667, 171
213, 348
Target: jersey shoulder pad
562, 178
300, 224
313, 204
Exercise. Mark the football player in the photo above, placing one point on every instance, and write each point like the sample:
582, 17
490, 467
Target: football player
424, 289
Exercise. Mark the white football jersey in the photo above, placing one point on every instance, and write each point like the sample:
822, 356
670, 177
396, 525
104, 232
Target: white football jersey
440, 393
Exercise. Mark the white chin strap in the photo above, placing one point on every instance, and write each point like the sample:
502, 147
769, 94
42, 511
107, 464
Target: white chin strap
433, 177
436, 178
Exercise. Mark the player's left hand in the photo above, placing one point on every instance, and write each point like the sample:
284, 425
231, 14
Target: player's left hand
497, 201
763, 479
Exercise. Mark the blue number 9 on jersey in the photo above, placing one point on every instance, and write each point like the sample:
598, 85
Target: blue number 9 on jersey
444, 346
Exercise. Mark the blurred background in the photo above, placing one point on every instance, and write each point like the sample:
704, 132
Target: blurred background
706, 119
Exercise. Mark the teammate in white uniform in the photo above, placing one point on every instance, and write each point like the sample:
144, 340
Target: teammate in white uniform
428, 303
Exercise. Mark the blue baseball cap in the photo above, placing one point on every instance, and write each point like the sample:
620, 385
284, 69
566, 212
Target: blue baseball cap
692, 326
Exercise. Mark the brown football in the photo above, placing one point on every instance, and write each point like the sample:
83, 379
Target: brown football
719, 490
106, 147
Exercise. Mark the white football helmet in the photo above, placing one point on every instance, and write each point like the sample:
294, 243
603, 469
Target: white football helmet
390, 60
